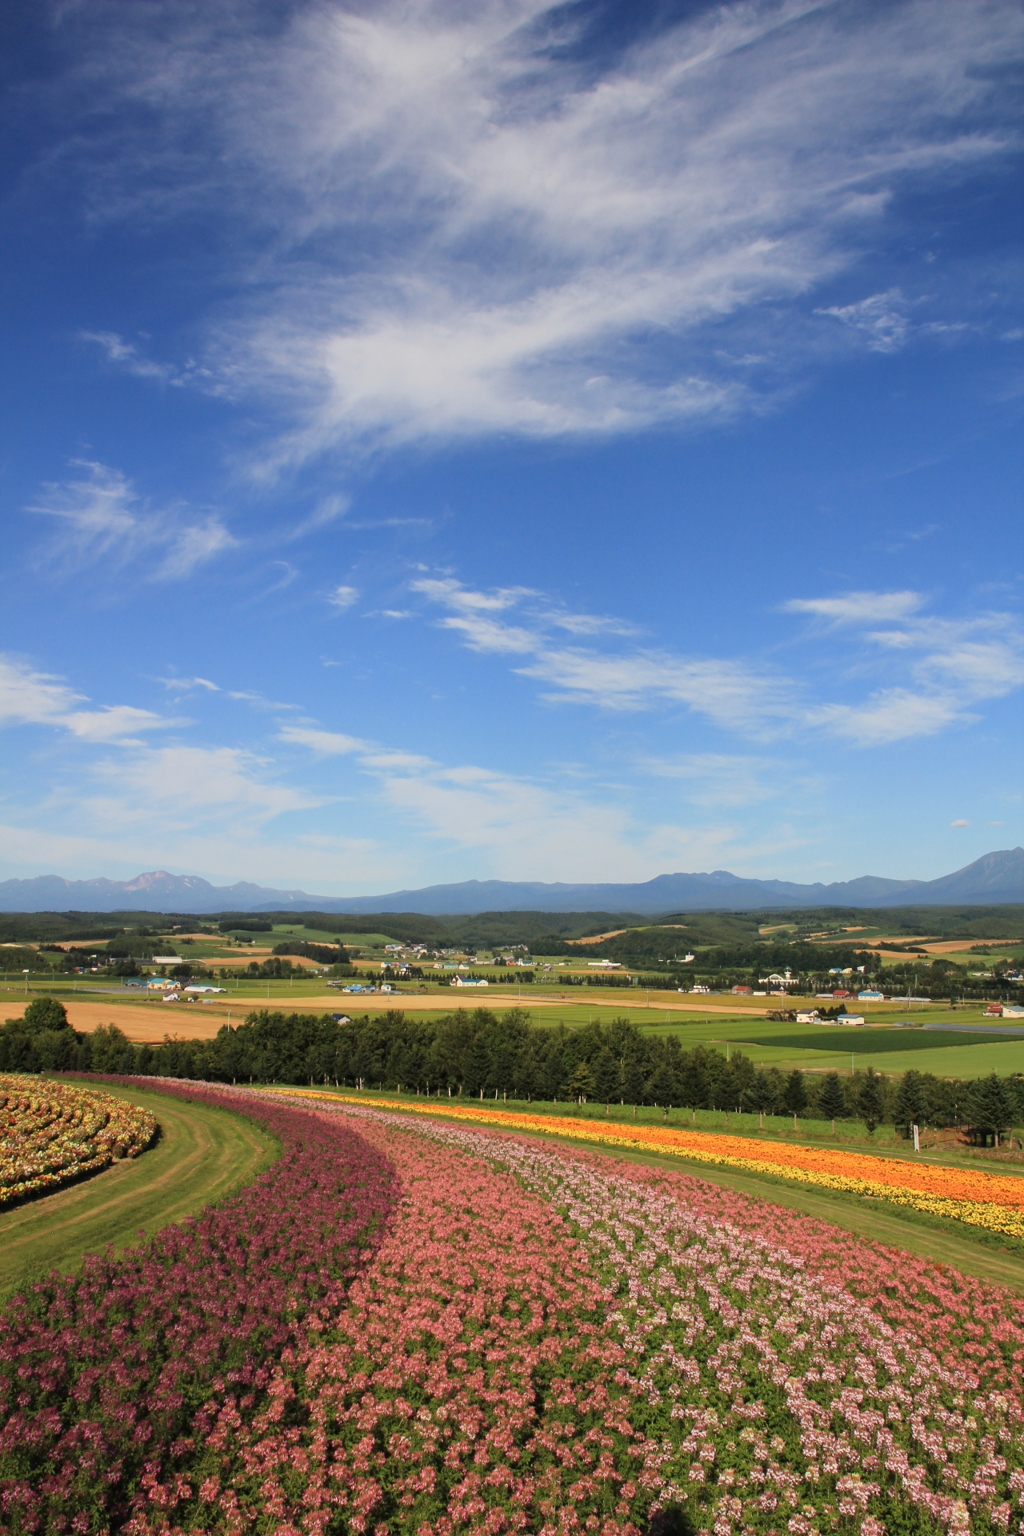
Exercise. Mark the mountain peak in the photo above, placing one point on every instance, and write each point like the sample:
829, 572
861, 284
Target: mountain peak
995, 878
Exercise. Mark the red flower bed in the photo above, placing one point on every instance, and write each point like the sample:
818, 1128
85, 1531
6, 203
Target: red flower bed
111, 1380
769, 1399
470, 1383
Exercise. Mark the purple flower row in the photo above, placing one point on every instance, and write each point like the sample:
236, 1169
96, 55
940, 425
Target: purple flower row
110, 1379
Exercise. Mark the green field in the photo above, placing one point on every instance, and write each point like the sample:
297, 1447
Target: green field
202, 1155
864, 1042
284, 931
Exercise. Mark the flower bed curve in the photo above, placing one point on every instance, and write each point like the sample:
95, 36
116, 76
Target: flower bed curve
470, 1383
111, 1379
55, 1133
775, 1401
994, 1202
973, 1327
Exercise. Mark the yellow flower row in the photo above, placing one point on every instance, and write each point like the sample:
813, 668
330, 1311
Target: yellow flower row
60, 1132
896, 1184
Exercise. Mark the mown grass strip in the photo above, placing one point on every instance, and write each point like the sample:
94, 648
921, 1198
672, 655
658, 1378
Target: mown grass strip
201, 1156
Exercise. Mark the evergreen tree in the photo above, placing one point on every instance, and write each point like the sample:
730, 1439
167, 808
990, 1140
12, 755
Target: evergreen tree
476, 1066
552, 1071
991, 1106
694, 1088
581, 1083
743, 1074
362, 1064
870, 1101
795, 1096
502, 1067
909, 1107
761, 1094
662, 1087
526, 1078
832, 1102
606, 1077
633, 1080
727, 1089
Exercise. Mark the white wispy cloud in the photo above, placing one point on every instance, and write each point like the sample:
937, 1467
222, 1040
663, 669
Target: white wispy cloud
894, 714
28, 697
470, 228
187, 785
946, 667
733, 693
186, 684
881, 318
128, 357
533, 828
951, 666
858, 607
101, 516
323, 743
722, 779
114, 722
326, 512
343, 597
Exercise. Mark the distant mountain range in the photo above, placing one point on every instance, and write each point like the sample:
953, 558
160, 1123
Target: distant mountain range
993, 879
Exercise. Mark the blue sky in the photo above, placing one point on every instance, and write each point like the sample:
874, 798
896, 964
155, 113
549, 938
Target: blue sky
451, 440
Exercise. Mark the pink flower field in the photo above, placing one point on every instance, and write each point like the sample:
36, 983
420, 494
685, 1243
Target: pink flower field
426, 1328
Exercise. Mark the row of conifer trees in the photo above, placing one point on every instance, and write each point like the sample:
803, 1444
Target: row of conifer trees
480, 1053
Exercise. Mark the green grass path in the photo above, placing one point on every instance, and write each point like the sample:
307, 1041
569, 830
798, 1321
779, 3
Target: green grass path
202, 1155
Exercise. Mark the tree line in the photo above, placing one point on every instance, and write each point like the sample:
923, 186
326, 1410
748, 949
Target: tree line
479, 1053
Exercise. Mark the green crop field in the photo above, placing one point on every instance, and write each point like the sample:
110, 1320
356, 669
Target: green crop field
202, 1155
321, 936
871, 1042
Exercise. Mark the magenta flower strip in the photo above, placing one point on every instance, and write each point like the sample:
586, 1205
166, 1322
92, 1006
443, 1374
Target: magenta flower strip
470, 1384
111, 1380
776, 1399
